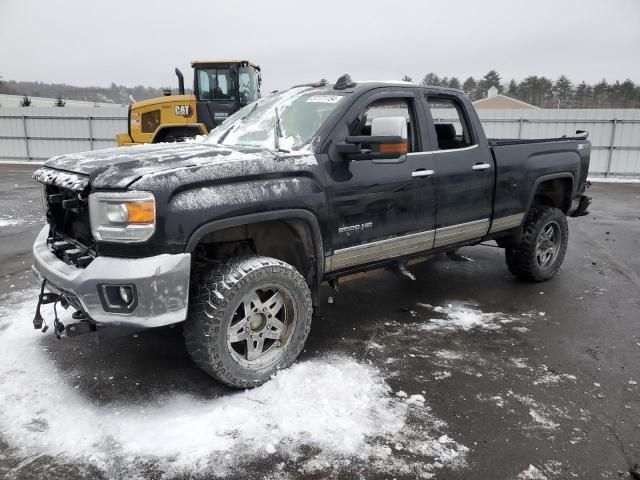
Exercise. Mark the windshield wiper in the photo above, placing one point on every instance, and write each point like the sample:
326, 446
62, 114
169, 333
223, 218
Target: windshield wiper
236, 125
278, 133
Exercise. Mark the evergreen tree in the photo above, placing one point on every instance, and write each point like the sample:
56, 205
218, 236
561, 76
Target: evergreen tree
564, 87
454, 83
59, 102
491, 79
628, 95
431, 79
469, 86
25, 102
582, 95
407, 78
601, 94
512, 89
535, 90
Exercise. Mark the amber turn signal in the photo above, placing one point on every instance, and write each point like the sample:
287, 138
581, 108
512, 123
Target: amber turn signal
393, 147
140, 212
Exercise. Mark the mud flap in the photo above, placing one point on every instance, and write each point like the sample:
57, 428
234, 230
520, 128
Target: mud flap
582, 207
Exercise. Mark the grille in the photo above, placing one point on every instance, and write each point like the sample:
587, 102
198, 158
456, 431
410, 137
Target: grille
70, 236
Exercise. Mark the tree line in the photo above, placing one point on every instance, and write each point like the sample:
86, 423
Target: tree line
537, 90
545, 92
116, 94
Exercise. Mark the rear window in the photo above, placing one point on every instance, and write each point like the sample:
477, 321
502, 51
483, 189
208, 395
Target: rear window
451, 124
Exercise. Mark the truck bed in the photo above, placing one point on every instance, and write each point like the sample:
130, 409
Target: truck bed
521, 163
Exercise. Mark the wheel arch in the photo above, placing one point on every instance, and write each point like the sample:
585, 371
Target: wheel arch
554, 190
304, 217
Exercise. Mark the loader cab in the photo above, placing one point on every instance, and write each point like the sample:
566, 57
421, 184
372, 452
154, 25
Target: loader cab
223, 87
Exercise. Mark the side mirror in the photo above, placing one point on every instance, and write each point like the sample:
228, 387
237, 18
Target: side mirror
388, 140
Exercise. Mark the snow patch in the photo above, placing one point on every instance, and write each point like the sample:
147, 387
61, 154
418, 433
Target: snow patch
549, 378
341, 407
235, 194
441, 375
449, 355
9, 222
542, 419
531, 473
463, 317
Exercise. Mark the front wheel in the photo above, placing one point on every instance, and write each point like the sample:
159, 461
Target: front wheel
248, 318
540, 253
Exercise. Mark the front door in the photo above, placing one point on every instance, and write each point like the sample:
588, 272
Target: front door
380, 209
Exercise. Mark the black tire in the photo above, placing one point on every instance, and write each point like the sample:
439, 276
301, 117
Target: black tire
218, 300
525, 261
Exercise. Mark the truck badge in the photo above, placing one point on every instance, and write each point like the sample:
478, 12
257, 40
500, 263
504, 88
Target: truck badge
356, 228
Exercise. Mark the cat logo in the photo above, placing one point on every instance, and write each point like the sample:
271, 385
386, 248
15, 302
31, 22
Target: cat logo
183, 110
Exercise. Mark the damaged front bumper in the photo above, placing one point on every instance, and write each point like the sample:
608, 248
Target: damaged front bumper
156, 289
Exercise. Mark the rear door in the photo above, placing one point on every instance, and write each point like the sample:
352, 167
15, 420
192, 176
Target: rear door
464, 171
380, 209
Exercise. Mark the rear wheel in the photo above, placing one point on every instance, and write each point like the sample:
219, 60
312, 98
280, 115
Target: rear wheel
541, 250
248, 318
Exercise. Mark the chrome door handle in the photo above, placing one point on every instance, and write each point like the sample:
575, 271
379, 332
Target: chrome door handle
422, 173
481, 166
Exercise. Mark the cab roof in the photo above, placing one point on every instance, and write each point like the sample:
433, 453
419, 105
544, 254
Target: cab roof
362, 85
224, 62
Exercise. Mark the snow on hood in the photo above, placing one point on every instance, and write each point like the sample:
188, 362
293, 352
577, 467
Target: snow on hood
117, 168
339, 406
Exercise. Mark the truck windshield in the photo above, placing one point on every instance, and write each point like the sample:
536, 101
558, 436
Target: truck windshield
286, 120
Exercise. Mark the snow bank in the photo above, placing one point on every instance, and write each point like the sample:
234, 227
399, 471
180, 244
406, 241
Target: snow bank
338, 405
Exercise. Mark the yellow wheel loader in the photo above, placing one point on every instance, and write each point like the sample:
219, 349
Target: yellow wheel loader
220, 88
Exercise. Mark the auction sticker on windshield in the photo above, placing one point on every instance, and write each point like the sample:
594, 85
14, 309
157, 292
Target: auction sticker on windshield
324, 99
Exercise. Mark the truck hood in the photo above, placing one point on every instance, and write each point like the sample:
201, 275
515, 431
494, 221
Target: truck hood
117, 168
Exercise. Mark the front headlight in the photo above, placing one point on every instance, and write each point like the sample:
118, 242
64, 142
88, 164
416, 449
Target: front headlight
122, 216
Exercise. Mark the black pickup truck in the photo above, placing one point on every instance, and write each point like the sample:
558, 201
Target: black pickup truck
233, 235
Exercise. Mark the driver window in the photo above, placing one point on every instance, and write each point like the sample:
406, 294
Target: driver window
386, 107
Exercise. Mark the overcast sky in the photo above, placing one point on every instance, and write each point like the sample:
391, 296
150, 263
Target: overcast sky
96, 42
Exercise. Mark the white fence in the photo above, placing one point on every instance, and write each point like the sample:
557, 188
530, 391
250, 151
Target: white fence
614, 133
37, 133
